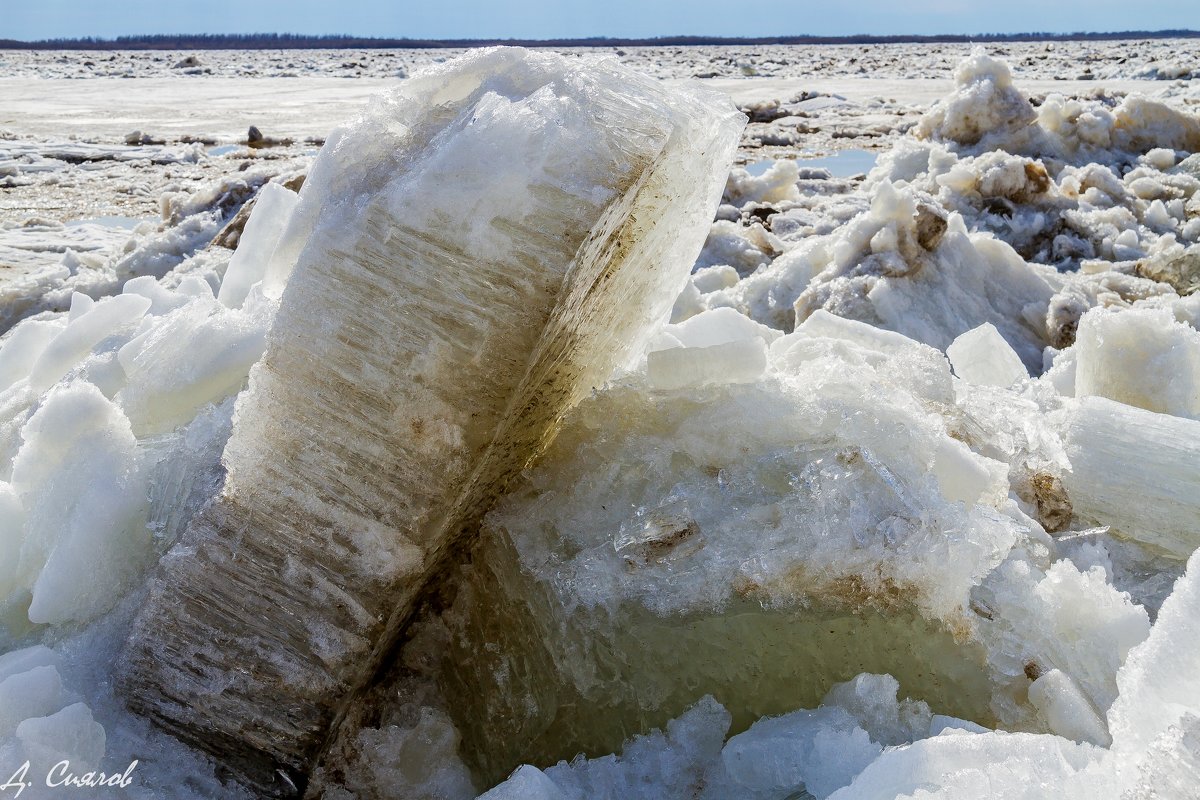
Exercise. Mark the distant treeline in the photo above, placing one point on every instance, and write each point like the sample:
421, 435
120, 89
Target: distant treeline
292, 41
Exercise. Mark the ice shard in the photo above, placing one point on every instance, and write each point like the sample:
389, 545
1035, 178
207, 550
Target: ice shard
466, 261
1159, 502
1140, 357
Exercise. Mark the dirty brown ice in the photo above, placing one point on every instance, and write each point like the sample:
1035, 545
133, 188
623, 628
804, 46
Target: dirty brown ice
468, 259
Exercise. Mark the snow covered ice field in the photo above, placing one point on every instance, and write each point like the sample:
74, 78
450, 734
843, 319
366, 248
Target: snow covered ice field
872, 471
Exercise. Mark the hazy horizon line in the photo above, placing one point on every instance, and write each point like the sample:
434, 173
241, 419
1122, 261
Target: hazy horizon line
294, 40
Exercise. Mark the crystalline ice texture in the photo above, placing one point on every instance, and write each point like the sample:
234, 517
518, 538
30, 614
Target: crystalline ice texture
1066, 710
1141, 357
1153, 723
981, 356
1157, 503
756, 541
272, 210
466, 261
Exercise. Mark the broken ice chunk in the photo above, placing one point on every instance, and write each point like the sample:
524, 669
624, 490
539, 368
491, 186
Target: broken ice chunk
800, 754
961, 475
781, 528
83, 492
36, 692
1158, 684
981, 356
775, 185
822, 323
957, 766
12, 524
822, 750
1066, 710
819, 751
84, 332
22, 348
873, 702
466, 261
719, 326
272, 209
1141, 357
1141, 124
985, 103
732, 362
929, 289
197, 354
526, 783
1136, 471
17, 661
660, 765
402, 759
1059, 618
1153, 723
940, 724
71, 734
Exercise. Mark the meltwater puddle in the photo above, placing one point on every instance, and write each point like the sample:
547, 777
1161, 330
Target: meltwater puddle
842, 164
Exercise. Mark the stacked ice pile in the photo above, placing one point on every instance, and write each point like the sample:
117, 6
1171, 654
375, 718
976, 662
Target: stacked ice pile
114, 417
1082, 203
759, 486
98, 260
892, 509
799, 516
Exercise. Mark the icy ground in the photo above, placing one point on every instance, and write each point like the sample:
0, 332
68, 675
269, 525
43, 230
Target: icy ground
1154, 59
212, 97
954, 400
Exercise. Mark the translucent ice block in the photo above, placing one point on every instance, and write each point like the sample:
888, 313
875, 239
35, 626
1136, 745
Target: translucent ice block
754, 541
1159, 501
466, 261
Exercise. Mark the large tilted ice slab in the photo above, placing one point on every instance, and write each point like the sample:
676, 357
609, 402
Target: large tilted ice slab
1159, 501
467, 260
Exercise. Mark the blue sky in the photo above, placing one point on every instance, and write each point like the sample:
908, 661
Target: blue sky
22, 19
